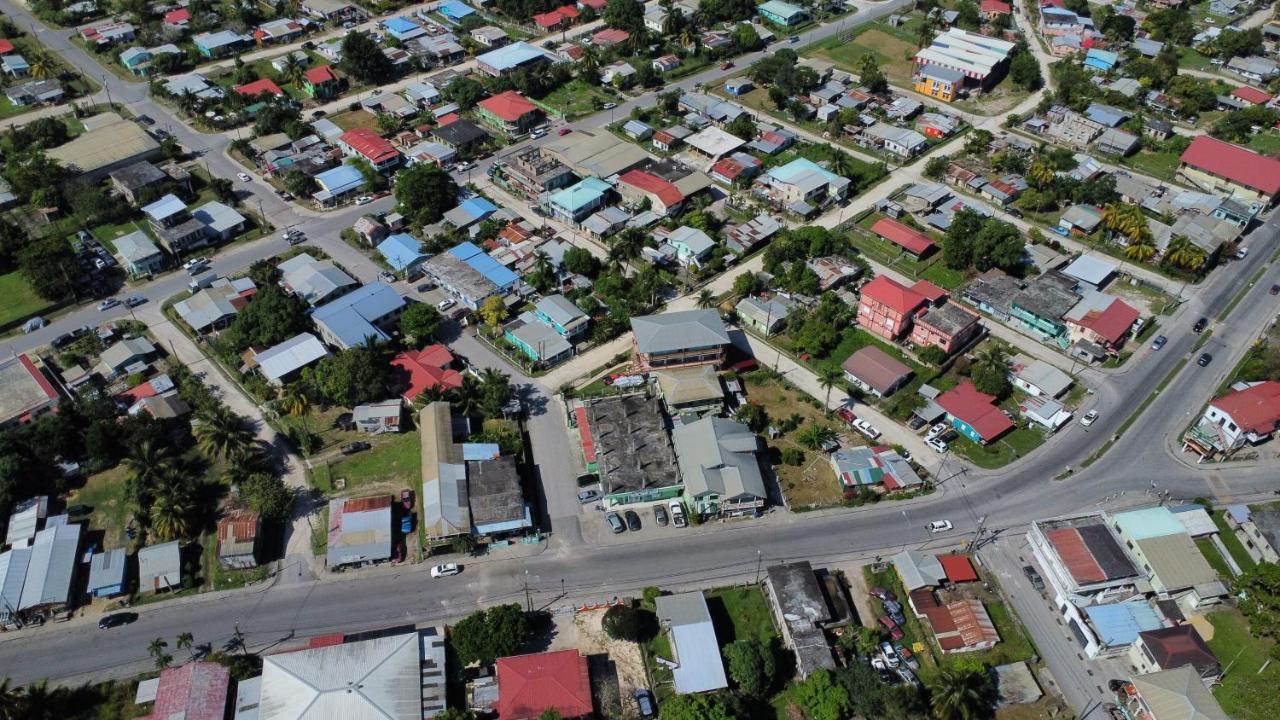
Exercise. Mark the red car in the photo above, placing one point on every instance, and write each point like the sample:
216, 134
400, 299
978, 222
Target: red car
896, 634
887, 622
564, 131
726, 66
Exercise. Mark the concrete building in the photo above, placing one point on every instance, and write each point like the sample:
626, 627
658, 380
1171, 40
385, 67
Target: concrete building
115, 144
948, 327
27, 392
625, 442
802, 613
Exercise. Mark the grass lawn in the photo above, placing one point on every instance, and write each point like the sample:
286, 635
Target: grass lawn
852, 339
812, 484
574, 98
394, 461
1160, 165
352, 119
1017, 443
104, 492
108, 234
216, 578
1248, 692
891, 255
1228, 537
20, 300
1267, 142
892, 51
740, 614
939, 274
1211, 554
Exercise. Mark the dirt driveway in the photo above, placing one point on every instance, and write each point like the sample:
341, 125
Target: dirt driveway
617, 667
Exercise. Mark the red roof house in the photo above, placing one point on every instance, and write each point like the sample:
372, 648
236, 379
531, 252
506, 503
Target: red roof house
663, 195
318, 75
1251, 95
570, 12
549, 20
371, 146
905, 236
958, 568
177, 18
195, 691
931, 292
1255, 409
529, 685
427, 368
596, 5
1231, 164
995, 7
257, 87
887, 307
962, 626
6, 47
510, 106
974, 413
1106, 327
610, 37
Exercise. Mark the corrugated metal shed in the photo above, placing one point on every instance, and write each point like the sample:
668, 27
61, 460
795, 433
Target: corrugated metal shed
53, 564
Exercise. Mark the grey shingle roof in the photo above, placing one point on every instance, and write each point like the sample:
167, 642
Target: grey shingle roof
675, 331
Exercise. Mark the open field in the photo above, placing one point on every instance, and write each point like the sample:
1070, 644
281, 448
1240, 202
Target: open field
111, 514
574, 98
20, 300
352, 119
1249, 692
394, 461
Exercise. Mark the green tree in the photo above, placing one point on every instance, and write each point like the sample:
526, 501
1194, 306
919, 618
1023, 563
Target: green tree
1183, 253
493, 311
753, 416
624, 15
420, 322
813, 436
170, 512
821, 697
829, 377
1260, 588
961, 693
623, 622
454, 713
157, 649
752, 665
1024, 71
695, 707
273, 317
957, 250
743, 126
746, 285
990, 372
12, 702
355, 375
870, 75
267, 495
424, 192
222, 434
486, 635
184, 641
363, 60
49, 265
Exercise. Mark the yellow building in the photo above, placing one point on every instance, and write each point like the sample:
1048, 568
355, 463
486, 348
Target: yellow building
938, 82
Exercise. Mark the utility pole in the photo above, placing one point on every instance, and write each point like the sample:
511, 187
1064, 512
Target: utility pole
528, 598
759, 563
977, 534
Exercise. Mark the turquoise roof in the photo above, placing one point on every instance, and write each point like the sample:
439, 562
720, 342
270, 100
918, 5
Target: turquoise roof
1150, 522
780, 9
789, 172
581, 195
1120, 623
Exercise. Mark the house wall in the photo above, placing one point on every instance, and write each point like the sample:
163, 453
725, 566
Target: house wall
881, 319
1231, 432
1255, 543
1214, 183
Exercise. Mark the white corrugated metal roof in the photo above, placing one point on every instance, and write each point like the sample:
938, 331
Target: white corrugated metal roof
378, 678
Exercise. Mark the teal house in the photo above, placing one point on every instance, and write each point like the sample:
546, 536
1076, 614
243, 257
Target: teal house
782, 13
1041, 305
576, 202
561, 315
537, 341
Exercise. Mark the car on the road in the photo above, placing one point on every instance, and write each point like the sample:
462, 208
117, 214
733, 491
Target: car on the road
938, 526
866, 428
537, 134
1275, 290
615, 523
244, 177
195, 265
352, 448
424, 287
644, 703
134, 301
586, 496
108, 304
444, 304
633, 520
295, 239
1159, 342
63, 340
564, 131
677, 513
1089, 418
1200, 325
1242, 253
386, 276
116, 620
1033, 577
1204, 359
726, 65
364, 200
660, 515
145, 120
445, 570
609, 106
939, 446
793, 39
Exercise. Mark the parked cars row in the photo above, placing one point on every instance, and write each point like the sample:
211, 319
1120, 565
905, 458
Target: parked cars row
672, 513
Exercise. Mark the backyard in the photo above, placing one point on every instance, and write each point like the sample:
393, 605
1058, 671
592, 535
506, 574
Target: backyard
105, 493
352, 119
20, 300
575, 98
1248, 693
394, 462
879, 250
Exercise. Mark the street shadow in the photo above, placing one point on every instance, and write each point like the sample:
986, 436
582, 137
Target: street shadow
605, 692
542, 632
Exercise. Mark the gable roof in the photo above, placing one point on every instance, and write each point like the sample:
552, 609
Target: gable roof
195, 691
1251, 95
509, 105
876, 368
1234, 163
427, 368
665, 191
531, 684
1175, 647
317, 75
1111, 323
259, 86
697, 653
682, 330
289, 356
908, 237
375, 148
1255, 408
375, 678
976, 409
718, 455
897, 297
1178, 694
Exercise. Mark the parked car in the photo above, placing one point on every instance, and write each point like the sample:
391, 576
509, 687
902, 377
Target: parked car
364, 200
1204, 359
386, 277
244, 177
884, 594
354, 447
615, 523
79, 510
936, 430
116, 620
445, 570
660, 515
424, 287
633, 520
63, 340
938, 526
1033, 577
890, 655
108, 304
916, 422
33, 324
937, 445
644, 703
726, 65
1200, 325
1089, 418
195, 265
1159, 342
586, 496
609, 106
444, 304
564, 131
887, 622
1275, 290
866, 428
677, 513
145, 120
134, 301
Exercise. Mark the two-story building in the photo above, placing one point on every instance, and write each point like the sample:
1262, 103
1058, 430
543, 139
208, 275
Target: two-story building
367, 144
679, 339
1247, 415
510, 113
887, 308
948, 327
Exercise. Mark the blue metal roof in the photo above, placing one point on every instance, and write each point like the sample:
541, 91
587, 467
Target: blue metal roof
493, 270
789, 172
511, 56
350, 318
580, 195
1119, 624
1148, 523
478, 207
454, 9
401, 251
340, 179
400, 25
1105, 114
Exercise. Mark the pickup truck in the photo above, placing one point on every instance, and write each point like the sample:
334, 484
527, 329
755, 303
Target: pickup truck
866, 428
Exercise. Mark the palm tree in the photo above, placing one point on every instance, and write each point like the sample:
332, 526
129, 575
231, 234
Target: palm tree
843, 164
1040, 173
293, 400
959, 694
171, 516
222, 433
542, 265
184, 642
828, 377
36, 699
40, 65
293, 71
706, 298
11, 701
148, 462
589, 65
813, 437
924, 37
1140, 250
1182, 253
157, 650
467, 397
993, 359
1125, 219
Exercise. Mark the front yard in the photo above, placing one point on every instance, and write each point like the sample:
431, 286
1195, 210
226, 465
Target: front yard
394, 462
20, 299
575, 98
1248, 692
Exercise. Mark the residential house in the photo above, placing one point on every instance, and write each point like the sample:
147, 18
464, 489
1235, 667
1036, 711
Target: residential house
1102, 320
936, 81
490, 36
176, 229
212, 308
511, 57
430, 368
336, 184
802, 185
561, 315
363, 313
886, 308
536, 340
35, 92
221, 43
107, 572
1038, 378
677, 339
365, 143
160, 567
380, 417
692, 246
743, 238
782, 13
1218, 166
1168, 558
1254, 68
899, 141
469, 274
1175, 694
638, 186
904, 236
765, 316
403, 252
974, 414
125, 355
1080, 220
315, 281
194, 691
221, 222
359, 531
875, 372
239, 533
509, 113
130, 181
320, 82
531, 685
576, 202
138, 255
1248, 414
957, 626
1168, 648
948, 327
282, 363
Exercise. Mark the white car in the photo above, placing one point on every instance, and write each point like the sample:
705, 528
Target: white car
938, 446
1089, 418
866, 428
194, 265
889, 654
244, 177
936, 430
445, 570
108, 304
444, 304
364, 200
677, 513
938, 526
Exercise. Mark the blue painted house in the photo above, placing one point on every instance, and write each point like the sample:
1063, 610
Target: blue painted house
782, 13
537, 341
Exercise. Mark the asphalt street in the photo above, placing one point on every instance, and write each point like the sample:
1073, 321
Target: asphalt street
572, 570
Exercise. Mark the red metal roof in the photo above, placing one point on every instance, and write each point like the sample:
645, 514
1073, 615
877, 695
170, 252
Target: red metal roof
510, 106
595, 4
908, 237
989, 6
1251, 95
240, 525
529, 685
548, 19
318, 75
958, 568
195, 691
326, 641
257, 87
427, 368
6, 47
897, 297
666, 192
355, 505
976, 409
569, 11
1076, 555
375, 148
584, 432
1234, 163
46, 387
612, 36
1256, 409
931, 292
1111, 323
173, 17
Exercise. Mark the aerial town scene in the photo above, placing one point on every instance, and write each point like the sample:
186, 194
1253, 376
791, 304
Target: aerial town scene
627, 359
